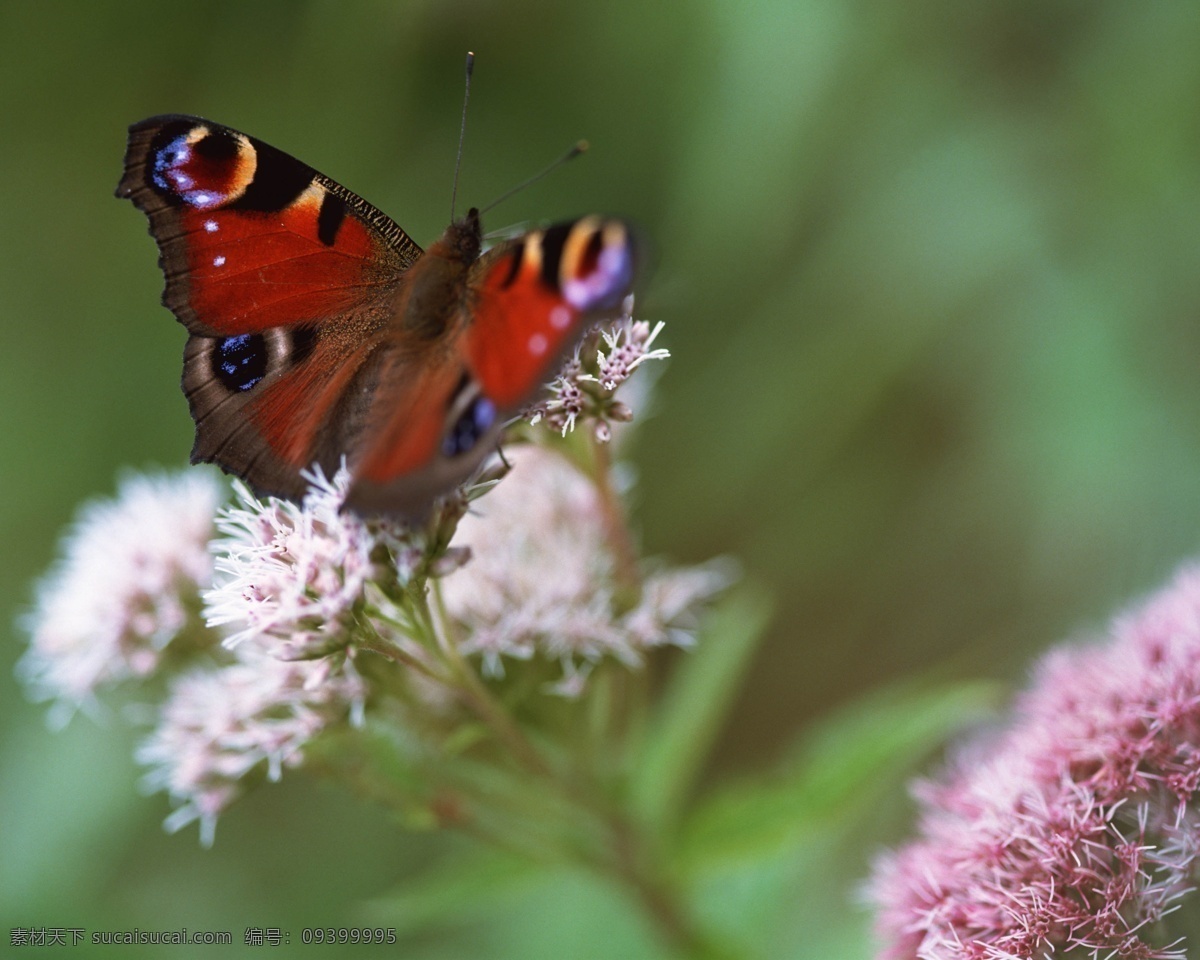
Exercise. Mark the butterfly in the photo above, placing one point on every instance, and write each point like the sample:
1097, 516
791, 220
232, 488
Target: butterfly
319, 330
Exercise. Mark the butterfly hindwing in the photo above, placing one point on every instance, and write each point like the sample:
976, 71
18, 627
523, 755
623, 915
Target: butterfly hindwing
269, 405
432, 429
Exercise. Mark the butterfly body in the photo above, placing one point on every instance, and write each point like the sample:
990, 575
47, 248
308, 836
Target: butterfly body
319, 330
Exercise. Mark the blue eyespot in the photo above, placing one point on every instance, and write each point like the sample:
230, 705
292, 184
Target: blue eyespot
605, 286
175, 170
174, 154
240, 362
475, 421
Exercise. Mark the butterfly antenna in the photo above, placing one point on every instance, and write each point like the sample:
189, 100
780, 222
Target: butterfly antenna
462, 133
580, 147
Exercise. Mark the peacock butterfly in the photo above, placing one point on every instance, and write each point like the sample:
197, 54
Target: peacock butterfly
319, 330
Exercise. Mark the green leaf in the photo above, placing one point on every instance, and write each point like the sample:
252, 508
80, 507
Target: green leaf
796, 902
459, 886
485, 903
773, 861
838, 770
700, 693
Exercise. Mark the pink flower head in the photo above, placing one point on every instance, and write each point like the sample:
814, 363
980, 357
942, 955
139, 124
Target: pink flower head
290, 577
218, 725
586, 387
128, 579
541, 580
1077, 828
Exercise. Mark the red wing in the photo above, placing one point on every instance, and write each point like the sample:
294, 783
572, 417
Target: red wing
269, 405
437, 417
531, 296
250, 237
284, 278
429, 431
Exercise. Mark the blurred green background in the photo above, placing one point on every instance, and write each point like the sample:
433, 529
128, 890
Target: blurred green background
929, 277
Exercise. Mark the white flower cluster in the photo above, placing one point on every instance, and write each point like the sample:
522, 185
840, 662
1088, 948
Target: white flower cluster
129, 590
257, 613
586, 387
291, 576
130, 573
220, 724
543, 578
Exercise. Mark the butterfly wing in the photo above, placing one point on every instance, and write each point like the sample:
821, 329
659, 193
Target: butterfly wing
535, 296
527, 303
285, 281
320, 330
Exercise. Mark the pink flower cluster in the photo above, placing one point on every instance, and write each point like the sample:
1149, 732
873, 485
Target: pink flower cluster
255, 617
123, 589
218, 725
586, 387
290, 576
541, 579
1076, 829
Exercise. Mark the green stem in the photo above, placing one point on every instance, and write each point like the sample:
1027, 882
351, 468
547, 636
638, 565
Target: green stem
472, 691
377, 644
616, 524
395, 654
619, 850
632, 864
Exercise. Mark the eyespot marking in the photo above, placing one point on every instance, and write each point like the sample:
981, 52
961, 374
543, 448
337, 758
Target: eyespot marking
475, 421
591, 253
240, 362
217, 146
604, 272
199, 166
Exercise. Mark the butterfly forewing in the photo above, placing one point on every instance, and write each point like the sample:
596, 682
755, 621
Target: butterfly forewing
535, 294
250, 237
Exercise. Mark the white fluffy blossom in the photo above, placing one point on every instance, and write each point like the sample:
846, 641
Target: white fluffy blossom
124, 587
219, 724
291, 576
543, 577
